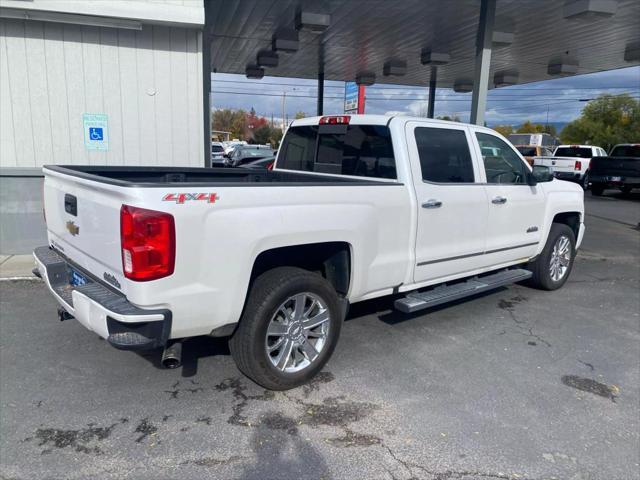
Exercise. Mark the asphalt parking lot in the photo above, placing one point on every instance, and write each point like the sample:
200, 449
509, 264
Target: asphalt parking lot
515, 384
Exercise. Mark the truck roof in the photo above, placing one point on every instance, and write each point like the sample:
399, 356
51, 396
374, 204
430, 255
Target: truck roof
369, 119
577, 146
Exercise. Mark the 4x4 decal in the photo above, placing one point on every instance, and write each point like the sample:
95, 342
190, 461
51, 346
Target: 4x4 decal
180, 198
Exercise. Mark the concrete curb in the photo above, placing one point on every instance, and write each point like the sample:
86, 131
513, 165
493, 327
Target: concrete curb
17, 267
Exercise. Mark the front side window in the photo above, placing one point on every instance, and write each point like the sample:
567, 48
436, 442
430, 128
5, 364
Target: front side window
444, 155
501, 163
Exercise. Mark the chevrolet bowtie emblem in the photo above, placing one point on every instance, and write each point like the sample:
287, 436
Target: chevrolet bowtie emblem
73, 228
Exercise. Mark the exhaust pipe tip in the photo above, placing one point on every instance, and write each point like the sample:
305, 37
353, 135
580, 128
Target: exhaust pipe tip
172, 356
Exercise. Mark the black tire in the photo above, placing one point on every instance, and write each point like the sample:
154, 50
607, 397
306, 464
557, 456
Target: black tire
266, 295
597, 189
540, 267
585, 181
626, 190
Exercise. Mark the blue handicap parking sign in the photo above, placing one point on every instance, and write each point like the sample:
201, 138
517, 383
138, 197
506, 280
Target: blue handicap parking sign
96, 134
96, 131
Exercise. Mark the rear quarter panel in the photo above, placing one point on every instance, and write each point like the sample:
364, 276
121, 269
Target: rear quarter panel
217, 243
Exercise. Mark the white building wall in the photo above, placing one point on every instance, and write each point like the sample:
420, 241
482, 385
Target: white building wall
171, 11
148, 82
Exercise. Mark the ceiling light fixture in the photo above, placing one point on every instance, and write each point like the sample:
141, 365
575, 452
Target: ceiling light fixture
502, 39
285, 40
586, 9
562, 67
394, 67
463, 85
267, 58
429, 57
254, 71
632, 52
505, 78
312, 22
365, 78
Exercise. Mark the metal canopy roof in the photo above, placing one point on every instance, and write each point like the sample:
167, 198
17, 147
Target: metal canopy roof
364, 34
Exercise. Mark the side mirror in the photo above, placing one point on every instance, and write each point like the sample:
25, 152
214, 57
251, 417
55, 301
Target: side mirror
541, 174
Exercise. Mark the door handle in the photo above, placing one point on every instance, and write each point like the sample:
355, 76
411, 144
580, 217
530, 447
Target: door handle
432, 203
499, 200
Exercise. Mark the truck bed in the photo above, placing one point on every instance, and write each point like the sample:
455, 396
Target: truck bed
141, 177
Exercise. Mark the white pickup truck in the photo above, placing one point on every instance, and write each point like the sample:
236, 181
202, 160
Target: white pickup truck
571, 162
358, 207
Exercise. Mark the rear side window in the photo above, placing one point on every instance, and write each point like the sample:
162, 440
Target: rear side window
358, 150
576, 152
626, 151
444, 155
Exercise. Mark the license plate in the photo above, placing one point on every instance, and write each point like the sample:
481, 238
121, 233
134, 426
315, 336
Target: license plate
615, 179
77, 279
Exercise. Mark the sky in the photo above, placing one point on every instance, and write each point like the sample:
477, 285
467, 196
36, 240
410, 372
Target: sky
561, 99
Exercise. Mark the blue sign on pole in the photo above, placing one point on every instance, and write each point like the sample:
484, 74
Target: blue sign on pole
96, 131
350, 97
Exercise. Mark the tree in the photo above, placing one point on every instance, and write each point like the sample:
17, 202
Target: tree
504, 130
276, 137
262, 134
228, 120
529, 127
454, 118
300, 114
605, 121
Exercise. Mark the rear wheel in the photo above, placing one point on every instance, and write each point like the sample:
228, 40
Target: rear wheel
289, 328
585, 181
553, 266
597, 189
626, 190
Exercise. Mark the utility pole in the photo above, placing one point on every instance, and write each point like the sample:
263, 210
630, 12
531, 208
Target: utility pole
284, 97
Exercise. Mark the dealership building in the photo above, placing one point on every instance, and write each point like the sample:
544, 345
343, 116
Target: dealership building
127, 82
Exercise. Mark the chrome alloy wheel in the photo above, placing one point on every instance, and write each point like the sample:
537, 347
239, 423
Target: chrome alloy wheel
297, 332
560, 258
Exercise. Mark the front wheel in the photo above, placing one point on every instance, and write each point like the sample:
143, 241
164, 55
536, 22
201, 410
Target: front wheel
553, 266
585, 181
289, 328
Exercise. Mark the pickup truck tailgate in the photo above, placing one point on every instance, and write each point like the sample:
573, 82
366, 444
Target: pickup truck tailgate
616, 166
83, 224
560, 164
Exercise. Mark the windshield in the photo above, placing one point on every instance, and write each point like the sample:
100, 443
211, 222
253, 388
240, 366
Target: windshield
251, 152
626, 151
358, 150
527, 151
217, 148
576, 152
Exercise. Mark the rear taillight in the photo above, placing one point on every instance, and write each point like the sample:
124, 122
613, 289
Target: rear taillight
148, 241
578, 165
270, 165
335, 120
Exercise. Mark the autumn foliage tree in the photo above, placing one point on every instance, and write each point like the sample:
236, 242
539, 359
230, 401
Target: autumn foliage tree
606, 121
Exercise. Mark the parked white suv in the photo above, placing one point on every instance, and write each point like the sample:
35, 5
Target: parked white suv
358, 207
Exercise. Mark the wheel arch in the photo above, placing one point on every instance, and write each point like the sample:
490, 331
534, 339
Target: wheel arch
571, 219
332, 260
